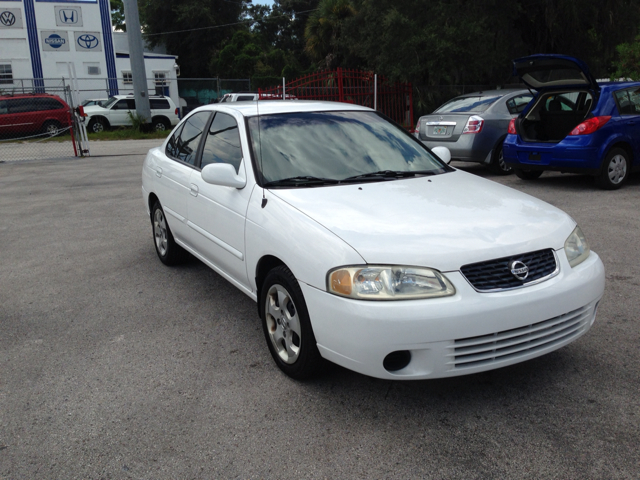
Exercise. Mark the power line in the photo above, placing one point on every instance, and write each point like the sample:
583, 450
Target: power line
226, 25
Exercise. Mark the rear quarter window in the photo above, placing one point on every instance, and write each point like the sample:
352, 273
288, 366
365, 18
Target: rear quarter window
159, 104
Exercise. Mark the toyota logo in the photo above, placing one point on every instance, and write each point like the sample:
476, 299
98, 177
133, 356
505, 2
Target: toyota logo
7, 19
519, 269
88, 41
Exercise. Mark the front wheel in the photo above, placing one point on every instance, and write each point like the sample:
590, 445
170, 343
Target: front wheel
615, 169
286, 325
528, 174
97, 125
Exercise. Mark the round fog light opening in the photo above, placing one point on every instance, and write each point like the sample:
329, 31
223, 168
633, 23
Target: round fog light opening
396, 360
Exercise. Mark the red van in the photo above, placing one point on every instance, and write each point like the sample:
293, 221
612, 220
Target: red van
33, 113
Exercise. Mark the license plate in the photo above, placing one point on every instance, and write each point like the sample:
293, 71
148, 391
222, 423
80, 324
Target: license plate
439, 130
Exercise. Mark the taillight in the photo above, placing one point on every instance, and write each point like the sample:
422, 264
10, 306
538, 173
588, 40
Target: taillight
417, 129
590, 125
474, 124
512, 126
176, 111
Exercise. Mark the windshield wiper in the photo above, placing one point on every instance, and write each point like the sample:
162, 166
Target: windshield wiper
387, 175
301, 181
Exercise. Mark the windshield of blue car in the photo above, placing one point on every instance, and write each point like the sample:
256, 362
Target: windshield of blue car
467, 104
336, 147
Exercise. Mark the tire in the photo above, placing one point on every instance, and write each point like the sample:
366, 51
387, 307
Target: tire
97, 125
161, 124
528, 174
497, 165
169, 252
286, 325
615, 169
51, 127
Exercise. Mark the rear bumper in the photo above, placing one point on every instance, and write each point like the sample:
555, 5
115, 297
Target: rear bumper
467, 148
573, 154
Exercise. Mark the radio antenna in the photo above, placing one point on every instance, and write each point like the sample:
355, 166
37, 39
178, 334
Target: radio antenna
264, 198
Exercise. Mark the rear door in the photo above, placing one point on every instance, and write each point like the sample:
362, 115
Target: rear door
628, 103
173, 168
541, 72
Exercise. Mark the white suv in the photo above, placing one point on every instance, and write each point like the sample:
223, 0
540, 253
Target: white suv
115, 113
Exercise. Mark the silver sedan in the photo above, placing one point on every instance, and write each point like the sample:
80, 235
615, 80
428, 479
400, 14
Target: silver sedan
473, 126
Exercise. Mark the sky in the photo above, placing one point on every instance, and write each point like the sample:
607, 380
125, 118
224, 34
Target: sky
262, 2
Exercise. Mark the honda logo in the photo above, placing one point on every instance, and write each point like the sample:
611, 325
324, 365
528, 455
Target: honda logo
68, 16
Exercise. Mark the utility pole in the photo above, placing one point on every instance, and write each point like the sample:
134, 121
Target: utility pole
136, 55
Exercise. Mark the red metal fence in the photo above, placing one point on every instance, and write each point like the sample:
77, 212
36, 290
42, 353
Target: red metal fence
394, 99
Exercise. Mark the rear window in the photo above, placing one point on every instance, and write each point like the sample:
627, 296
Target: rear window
467, 104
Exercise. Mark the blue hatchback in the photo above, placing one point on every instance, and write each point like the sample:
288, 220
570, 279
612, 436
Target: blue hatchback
574, 124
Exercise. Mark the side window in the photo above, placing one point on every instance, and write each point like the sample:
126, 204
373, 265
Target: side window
223, 142
184, 143
159, 104
22, 105
120, 105
628, 101
131, 104
3, 107
516, 104
245, 98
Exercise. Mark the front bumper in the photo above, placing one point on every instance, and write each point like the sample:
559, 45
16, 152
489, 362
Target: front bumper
467, 333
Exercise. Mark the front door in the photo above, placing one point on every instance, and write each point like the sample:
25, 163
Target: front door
217, 213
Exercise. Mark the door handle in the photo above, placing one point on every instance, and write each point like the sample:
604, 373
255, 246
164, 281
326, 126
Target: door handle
194, 190
158, 172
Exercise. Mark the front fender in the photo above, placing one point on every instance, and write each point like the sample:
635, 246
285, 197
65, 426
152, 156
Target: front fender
307, 248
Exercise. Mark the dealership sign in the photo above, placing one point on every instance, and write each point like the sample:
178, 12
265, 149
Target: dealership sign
55, 41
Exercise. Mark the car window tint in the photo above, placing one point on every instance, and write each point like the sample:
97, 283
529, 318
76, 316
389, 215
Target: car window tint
244, 98
628, 101
184, 145
131, 104
223, 142
467, 104
517, 104
22, 105
121, 105
159, 104
3, 107
49, 104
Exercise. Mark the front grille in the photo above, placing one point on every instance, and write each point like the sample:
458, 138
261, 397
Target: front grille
518, 342
496, 274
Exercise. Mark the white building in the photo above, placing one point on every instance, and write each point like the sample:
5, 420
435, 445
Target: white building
39, 38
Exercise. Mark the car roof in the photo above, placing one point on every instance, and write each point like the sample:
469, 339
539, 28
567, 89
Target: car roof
489, 93
29, 95
270, 107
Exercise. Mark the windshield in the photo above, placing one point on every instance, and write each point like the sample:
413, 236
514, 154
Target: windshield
109, 102
335, 146
467, 104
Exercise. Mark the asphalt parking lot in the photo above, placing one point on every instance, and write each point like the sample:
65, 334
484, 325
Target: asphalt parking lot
113, 366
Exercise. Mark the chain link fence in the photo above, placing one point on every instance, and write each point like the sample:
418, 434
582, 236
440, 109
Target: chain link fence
36, 120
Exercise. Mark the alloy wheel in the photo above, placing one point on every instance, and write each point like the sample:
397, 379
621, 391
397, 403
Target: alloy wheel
160, 232
283, 323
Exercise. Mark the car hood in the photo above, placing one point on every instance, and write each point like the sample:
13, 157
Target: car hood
543, 72
443, 221
93, 109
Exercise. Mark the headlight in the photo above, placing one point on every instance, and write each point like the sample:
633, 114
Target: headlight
383, 282
576, 247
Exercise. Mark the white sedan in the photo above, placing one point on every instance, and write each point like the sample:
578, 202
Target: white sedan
364, 248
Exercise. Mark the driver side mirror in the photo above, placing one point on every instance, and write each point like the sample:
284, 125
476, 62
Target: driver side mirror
442, 153
222, 174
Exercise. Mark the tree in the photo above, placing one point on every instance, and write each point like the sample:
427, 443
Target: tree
323, 31
194, 30
628, 63
117, 15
